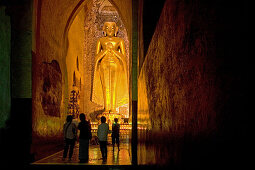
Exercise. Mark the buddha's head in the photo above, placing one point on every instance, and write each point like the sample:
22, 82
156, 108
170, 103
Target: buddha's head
110, 29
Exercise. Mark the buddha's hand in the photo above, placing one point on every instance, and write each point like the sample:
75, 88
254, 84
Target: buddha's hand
109, 46
109, 50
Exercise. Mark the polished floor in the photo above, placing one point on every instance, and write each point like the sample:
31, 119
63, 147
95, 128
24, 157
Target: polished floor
122, 157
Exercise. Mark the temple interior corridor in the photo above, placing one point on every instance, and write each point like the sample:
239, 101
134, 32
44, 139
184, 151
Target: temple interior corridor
176, 74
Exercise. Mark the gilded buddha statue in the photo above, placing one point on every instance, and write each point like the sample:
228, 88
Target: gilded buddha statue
110, 74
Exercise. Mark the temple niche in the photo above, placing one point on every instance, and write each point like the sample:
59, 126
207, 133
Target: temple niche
97, 13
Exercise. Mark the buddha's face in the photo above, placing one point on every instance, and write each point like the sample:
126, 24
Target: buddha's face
110, 28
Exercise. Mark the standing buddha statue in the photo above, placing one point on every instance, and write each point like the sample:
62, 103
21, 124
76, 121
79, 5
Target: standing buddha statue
110, 74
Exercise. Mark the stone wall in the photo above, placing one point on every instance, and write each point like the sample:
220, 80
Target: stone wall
51, 86
49, 44
190, 80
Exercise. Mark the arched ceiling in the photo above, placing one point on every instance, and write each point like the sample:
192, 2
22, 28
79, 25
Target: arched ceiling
54, 17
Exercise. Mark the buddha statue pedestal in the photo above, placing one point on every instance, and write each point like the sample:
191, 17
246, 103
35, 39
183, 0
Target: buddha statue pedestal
110, 117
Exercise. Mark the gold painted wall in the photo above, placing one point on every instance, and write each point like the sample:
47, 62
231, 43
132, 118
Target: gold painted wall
48, 41
75, 57
49, 44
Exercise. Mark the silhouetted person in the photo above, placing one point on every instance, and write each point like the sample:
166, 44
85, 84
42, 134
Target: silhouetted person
85, 135
102, 133
69, 137
115, 134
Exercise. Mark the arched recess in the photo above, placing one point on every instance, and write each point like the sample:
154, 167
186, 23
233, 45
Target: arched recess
81, 38
52, 20
81, 4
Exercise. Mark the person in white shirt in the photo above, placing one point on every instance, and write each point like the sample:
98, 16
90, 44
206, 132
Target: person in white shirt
102, 134
70, 133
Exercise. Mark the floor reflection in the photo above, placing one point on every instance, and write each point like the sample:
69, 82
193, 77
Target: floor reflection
146, 155
122, 157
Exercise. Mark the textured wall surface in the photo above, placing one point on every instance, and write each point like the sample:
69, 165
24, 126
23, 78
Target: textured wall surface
189, 76
51, 93
50, 43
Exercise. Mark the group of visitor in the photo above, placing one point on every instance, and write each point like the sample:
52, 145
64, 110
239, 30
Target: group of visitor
70, 136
